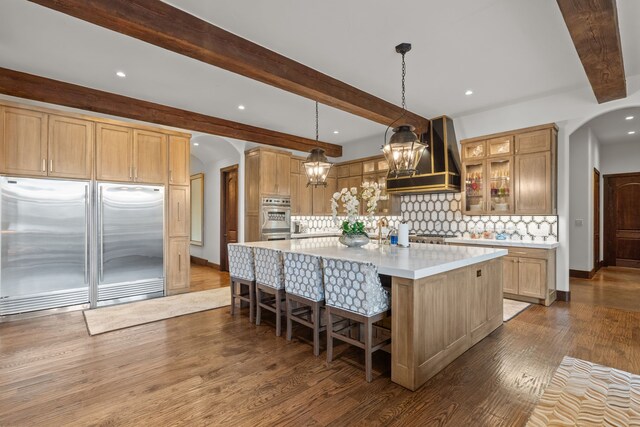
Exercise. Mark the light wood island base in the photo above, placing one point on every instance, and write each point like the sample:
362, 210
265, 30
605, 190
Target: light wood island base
437, 318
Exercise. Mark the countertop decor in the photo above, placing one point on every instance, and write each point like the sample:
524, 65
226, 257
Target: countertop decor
353, 228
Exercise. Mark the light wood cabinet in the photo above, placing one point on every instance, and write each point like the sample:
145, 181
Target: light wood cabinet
178, 266
305, 195
149, 157
511, 173
70, 147
533, 183
23, 142
114, 153
179, 209
179, 160
528, 274
274, 172
252, 228
342, 171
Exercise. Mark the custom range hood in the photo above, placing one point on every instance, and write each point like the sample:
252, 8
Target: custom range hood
439, 167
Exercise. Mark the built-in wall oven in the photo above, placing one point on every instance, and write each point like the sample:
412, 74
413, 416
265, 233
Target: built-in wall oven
275, 218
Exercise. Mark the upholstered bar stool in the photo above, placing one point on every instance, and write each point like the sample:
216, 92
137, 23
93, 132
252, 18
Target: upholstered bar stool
242, 272
270, 281
304, 294
353, 291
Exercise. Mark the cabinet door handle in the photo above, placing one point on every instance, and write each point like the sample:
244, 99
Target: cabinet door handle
44, 165
130, 172
178, 211
179, 262
519, 253
170, 176
50, 165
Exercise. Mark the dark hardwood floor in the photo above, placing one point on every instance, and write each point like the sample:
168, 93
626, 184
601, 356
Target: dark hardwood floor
210, 368
204, 278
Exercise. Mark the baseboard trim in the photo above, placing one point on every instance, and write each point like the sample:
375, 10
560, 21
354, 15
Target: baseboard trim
563, 296
201, 261
581, 274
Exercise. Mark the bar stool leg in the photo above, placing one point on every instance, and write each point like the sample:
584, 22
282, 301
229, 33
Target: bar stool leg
278, 313
258, 308
368, 340
329, 334
252, 301
289, 321
315, 313
233, 300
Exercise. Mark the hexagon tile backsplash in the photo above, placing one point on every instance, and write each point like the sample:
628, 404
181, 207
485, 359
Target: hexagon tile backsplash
442, 214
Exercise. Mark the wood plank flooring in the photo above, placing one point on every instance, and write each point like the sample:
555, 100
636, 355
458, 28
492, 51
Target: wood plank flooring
213, 369
204, 278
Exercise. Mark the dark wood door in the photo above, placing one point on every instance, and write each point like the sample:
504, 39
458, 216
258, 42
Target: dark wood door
596, 219
228, 212
622, 220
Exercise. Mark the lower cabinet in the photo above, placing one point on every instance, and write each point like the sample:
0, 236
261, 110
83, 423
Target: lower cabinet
179, 208
178, 266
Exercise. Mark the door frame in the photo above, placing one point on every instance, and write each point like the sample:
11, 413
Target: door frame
610, 218
596, 220
223, 218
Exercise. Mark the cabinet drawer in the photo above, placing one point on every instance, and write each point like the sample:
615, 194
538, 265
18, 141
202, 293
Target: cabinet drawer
529, 252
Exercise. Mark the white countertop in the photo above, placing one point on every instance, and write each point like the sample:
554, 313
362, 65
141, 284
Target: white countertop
418, 261
316, 234
494, 242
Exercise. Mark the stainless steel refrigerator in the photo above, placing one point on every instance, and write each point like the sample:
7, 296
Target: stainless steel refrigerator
69, 243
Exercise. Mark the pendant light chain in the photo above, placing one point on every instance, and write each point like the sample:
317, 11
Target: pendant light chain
317, 134
404, 73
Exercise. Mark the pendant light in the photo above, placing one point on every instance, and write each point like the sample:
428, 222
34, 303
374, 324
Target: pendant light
316, 165
404, 149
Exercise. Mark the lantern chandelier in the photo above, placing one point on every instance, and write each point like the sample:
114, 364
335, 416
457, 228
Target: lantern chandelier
404, 149
316, 165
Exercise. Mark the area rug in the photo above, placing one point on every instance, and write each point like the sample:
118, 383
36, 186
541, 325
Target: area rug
582, 393
511, 308
107, 319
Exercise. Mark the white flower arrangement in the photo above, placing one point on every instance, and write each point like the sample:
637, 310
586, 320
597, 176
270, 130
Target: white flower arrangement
351, 199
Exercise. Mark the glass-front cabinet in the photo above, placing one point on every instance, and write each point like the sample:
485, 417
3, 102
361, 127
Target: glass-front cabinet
474, 200
500, 173
488, 187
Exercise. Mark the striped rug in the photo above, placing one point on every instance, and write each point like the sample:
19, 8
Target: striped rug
582, 393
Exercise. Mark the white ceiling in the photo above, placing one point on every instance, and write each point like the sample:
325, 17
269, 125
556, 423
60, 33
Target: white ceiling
504, 50
613, 128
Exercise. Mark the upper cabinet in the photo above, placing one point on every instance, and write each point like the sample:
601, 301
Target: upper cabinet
179, 161
511, 173
130, 155
70, 147
275, 168
23, 140
149, 157
38, 144
114, 153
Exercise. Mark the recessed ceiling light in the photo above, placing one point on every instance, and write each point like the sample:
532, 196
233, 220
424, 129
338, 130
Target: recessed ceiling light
336, 132
632, 132
469, 92
240, 107
121, 74
629, 118
196, 144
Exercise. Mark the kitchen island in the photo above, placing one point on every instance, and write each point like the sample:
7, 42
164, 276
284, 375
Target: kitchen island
444, 299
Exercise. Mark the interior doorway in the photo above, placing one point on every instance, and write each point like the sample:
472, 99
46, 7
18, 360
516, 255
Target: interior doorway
622, 220
596, 220
228, 211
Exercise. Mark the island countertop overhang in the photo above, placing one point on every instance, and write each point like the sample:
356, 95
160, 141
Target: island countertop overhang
415, 262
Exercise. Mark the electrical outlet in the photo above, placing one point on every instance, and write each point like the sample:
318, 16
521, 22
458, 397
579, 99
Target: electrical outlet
578, 222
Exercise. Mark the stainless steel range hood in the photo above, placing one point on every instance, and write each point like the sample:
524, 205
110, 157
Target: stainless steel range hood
439, 168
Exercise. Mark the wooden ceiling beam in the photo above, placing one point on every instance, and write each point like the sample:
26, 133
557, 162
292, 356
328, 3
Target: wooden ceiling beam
593, 25
29, 86
170, 28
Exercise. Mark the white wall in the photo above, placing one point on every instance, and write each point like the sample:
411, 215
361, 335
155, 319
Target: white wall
620, 158
212, 154
569, 110
584, 157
